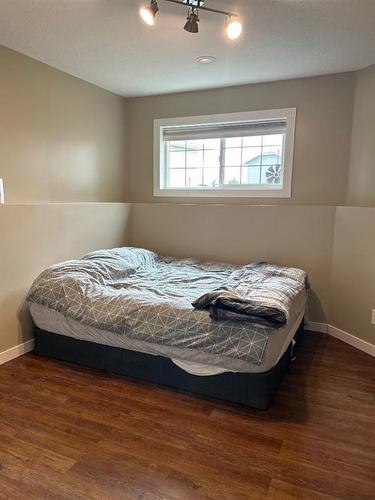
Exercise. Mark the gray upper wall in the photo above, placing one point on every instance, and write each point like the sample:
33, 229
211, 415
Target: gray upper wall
361, 187
61, 139
64, 140
322, 144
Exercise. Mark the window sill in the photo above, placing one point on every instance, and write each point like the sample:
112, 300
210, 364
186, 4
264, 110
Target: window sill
223, 193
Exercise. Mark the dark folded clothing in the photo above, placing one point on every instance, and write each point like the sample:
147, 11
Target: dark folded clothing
258, 293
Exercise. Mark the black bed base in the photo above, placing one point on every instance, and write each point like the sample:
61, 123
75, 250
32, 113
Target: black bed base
256, 390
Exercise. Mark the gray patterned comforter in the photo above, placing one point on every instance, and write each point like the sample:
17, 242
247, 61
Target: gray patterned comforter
133, 292
259, 292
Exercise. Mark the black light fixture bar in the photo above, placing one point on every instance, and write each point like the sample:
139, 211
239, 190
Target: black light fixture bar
233, 26
179, 2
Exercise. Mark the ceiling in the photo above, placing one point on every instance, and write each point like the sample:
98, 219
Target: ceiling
105, 42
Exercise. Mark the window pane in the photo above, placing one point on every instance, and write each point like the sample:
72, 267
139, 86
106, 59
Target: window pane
232, 157
177, 159
177, 145
233, 142
251, 156
255, 140
211, 177
252, 176
176, 178
194, 159
211, 144
232, 175
272, 149
211, 157
201, 163
271, 174
272, 158
195, 144
273, 140
194, 177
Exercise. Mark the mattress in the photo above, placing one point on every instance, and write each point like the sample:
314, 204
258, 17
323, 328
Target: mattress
198, 362
132, 294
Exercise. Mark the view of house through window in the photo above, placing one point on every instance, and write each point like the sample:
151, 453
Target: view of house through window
232, 161
237, 154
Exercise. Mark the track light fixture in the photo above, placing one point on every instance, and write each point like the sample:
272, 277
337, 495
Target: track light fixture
148, 14
191, 24
233, 26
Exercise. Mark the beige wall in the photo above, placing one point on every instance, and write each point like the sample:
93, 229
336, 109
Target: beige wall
297, 236
353, 272
322, 144
361, 187
36, 236
61, 139
353, 262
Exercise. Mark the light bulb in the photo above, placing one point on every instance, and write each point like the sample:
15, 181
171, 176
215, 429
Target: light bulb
233, 28
147, 15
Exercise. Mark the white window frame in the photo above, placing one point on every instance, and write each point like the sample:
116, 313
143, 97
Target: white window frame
250, 191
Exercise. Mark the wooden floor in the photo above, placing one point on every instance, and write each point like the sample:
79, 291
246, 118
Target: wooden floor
72, 432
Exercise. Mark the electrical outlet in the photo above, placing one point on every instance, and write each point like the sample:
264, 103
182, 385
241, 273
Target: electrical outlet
373, 317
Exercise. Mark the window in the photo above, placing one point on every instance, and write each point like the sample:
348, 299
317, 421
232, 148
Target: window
239, 154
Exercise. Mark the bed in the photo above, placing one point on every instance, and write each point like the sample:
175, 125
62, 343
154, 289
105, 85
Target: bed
130, 312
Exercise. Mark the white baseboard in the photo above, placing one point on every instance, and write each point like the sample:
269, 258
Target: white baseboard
346, 337
316, 327
16, 351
